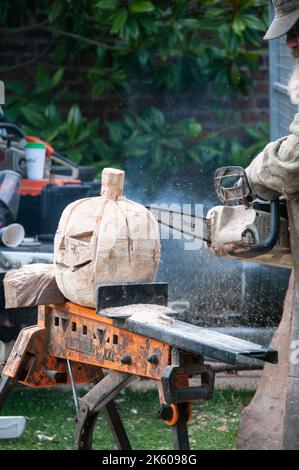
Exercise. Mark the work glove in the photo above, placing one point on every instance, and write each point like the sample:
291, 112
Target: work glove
275, 171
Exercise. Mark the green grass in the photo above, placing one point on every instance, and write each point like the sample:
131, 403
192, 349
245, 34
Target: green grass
214, 424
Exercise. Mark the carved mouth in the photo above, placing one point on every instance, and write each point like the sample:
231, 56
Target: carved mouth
75, 268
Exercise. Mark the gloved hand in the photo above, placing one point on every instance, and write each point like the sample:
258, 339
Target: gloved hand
275, 171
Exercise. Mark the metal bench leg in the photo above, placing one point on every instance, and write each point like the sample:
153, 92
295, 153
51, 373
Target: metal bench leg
101, 395
180, 430
117, 427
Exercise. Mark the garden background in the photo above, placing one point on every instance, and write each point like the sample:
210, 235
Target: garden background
167, 90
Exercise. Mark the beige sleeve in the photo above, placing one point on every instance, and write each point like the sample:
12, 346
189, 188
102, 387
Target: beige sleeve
275, 171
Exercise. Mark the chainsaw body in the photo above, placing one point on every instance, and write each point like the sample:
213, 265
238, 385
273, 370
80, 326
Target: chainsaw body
242, 227
235, 231
248, 228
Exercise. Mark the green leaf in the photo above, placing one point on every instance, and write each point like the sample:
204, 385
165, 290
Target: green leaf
148, 24
12, 112
253, 22
157, 156
103, 147
34, 117
247, 4
235, 74
16, 87
130, 122
191, 23
145, 126
132, 151
51, 136
157, 117
42, 76
229, 39
57, 76
106, 4
221, 79
238, 25
132, 28
252, 37
98, 88
237, 152
74, 117
173, 143
141, 7
60, 53
195, 155
75, 155
84, 134
119, 21
142, 56
56, 10
143, 140
114, 132
194, 129
52, 114
101, 53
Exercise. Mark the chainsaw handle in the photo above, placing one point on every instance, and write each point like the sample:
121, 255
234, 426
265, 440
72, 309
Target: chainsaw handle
266, 245
58, 158
9, 126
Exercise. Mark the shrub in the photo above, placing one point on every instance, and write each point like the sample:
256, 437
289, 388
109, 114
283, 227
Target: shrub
170, 46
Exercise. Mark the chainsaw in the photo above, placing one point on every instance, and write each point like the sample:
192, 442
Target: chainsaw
243, 227
12, 155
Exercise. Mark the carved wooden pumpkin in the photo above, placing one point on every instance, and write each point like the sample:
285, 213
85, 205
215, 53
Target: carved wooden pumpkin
105, 240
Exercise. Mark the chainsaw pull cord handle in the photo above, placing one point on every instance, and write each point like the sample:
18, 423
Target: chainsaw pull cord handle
266, 245
8, 126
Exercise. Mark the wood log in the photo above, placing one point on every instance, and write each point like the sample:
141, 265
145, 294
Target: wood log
105, 240
31, 285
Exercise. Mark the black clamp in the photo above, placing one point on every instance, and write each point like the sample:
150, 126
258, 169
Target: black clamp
174, 394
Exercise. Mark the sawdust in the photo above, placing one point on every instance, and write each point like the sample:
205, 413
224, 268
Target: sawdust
147, 313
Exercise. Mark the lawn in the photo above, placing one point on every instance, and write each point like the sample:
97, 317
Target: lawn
50, 415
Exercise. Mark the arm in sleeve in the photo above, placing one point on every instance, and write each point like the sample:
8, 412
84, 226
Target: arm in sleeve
275, 171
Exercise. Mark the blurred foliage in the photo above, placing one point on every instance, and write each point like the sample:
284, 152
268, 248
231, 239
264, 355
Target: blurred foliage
169, 46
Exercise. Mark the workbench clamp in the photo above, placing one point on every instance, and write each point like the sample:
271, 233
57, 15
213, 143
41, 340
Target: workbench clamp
174, 394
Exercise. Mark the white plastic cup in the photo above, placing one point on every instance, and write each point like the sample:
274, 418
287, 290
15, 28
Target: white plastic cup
12, 235
35, 153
